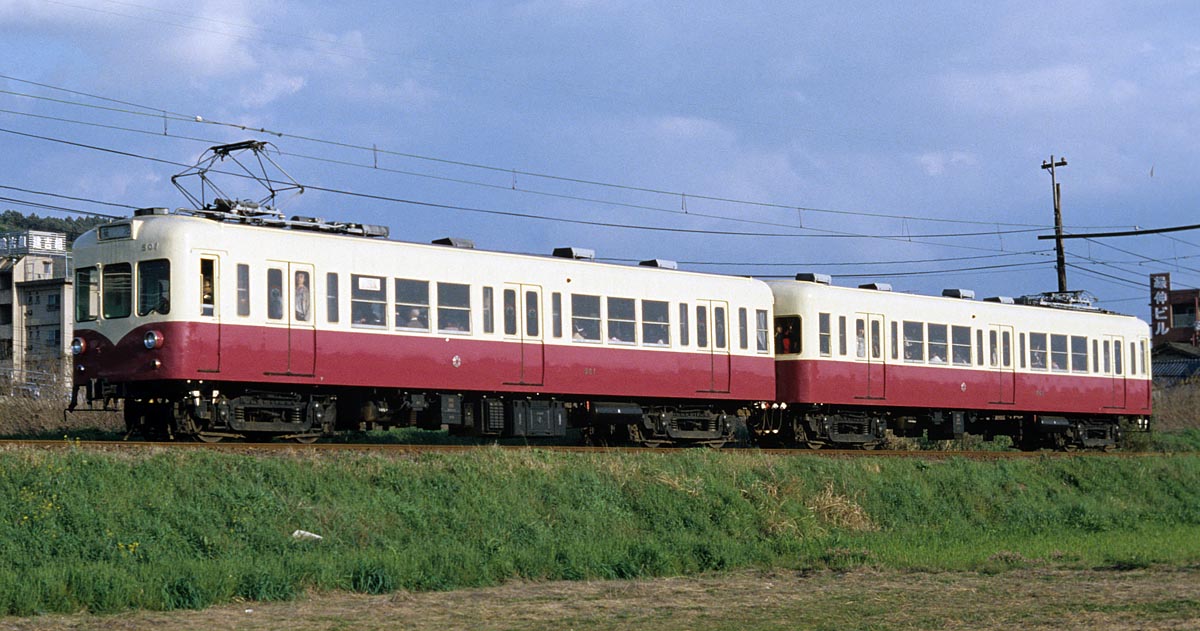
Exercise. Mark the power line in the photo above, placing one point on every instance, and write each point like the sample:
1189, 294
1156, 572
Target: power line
375, 150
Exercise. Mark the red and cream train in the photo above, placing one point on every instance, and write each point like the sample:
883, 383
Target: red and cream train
232, 321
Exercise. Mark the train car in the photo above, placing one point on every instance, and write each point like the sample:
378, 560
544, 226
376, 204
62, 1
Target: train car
231, 321
854, 362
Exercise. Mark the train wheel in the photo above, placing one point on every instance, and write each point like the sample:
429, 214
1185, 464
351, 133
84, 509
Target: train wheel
305, 439
205, 437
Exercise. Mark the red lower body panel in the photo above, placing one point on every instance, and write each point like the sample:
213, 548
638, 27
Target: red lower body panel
201, 351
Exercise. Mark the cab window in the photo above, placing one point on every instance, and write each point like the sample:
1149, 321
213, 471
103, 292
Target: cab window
154, 287
87, 294
787, 335
118, 290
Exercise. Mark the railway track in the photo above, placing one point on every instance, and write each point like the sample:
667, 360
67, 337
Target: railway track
396, 448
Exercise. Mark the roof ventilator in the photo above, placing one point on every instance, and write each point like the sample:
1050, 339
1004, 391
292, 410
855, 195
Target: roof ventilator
579, 254
876, 286
660, 263
824, 279
455, 242
965, 294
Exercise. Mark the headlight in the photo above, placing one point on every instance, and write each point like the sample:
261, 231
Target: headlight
153, 340
78, 346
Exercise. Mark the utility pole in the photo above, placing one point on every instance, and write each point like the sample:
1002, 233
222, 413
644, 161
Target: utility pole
1061, 261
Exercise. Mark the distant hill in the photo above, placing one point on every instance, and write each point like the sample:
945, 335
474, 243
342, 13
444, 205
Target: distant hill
11, 220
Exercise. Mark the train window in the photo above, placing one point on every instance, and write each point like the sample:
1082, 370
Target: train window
1107, 357
938, 344
489, 325
860, 338
1096, 356
154, 287
841, 335
243, 289
787, 335
1079, 358
585, 318
368, 301
532, 317
331, 297
1142, 356
876, 339
914, 341
1132, 358
622, 320
683, 324
743, 329
702, 327
208, 284
556, 313
454, 308
1021, 350
1116, 358
87, 294
275, 294
719, 327
895, 340
656, 330
979, 347
960, 345
118, 290
1006, 349
412, 304
1058, 353
510, 312
824, 335
302, 296
760, 323
1037, 351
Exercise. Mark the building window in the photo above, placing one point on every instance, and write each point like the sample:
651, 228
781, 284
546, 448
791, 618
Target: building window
1183, 314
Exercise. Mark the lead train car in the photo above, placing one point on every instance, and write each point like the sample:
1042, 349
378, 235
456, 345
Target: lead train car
852, 362
233, 323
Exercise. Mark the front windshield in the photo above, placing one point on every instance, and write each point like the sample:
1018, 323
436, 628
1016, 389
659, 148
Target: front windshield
154, 287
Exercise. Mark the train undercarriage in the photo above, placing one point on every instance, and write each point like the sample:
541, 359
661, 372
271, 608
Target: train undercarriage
214, 412
817, 426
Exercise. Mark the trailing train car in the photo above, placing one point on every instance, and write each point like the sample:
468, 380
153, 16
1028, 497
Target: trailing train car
231, 321
852, 362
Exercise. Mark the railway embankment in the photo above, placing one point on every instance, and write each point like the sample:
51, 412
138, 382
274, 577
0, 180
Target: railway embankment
105, 530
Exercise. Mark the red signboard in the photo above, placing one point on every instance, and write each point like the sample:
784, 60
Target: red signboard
1160, 306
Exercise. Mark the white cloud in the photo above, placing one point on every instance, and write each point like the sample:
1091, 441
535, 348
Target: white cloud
937, 162
271, 87
1049, 88
690, 127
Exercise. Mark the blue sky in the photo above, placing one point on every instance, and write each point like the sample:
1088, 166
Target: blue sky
908, 120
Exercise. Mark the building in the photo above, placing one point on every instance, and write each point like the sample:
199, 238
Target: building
1172, 312
36, 306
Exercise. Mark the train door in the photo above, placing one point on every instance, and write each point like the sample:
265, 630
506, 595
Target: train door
869, 353
302, 327
1116, 369
1000, 338
712, 335
523, 324
209, 355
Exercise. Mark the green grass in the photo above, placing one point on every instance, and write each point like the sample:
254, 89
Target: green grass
82, 529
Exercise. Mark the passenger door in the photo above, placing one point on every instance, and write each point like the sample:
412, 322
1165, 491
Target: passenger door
869, 353
523, 325
1000, 337
712, 335
1119, 369
209, 307
302, 320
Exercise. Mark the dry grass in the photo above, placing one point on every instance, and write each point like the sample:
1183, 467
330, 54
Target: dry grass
1036, 599
1177, 408
25, 416
840, 511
